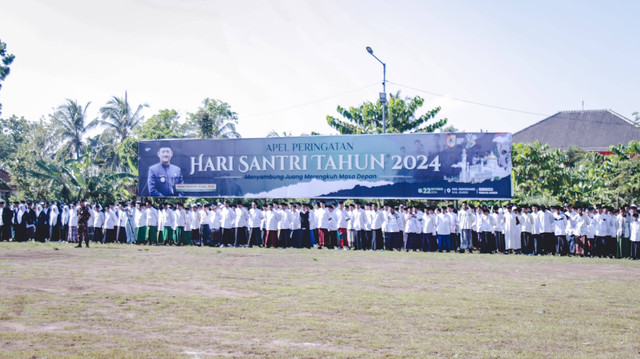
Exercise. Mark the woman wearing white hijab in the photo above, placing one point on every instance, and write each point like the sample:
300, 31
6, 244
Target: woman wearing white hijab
19, 225
64, 228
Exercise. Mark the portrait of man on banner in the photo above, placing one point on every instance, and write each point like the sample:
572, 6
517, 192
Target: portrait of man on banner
163, 176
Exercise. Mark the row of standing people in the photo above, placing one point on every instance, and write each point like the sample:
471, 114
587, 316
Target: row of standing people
508, 229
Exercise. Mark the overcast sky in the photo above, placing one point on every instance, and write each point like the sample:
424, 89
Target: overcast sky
286, 65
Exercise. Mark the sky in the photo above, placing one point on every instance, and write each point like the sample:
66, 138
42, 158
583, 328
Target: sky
285, 65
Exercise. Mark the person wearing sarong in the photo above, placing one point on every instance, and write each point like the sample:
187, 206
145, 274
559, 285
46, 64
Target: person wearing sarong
152, 224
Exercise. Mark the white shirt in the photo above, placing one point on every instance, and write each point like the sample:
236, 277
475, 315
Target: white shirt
377, 219
634, 229
429, 224
466, 219
73, 217
140, 217
272, 220
285, 219
98, 220
255, 217
152, 217
333, 220
227, 217
110, 220
242, 217
323, 217
341, 216
443, 224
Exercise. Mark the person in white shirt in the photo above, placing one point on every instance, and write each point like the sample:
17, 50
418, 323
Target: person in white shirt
296, 226
498, 229
527, 229
443, 229
205, 224
241, 223
601, 226
168, 222
560, 231
333, 227
255, 221
582, 222
623, 221
571, 217
368, 233
351, 232
342, 217
413, 230
429, 241
272, 219
357, 219
466, 221
548, 231
188, 226
227, 221
98, 222
393, 236
215, 219
536, 230
322, 214
377, 219
179, 225
487, 228
152, 224
511, 230
194, 217
121, 234
284, 226
140, 219
634, 237
73, 224
110, 222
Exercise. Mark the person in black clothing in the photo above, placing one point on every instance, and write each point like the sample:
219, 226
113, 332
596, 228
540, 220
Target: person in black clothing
29, 218
42, 224
7, 217
305, 226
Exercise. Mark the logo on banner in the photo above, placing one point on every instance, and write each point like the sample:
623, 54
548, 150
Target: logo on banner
451, 140
471, 140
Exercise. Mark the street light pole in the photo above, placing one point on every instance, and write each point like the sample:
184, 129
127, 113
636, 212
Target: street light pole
383, 95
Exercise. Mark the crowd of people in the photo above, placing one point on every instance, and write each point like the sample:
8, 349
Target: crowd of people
531, 230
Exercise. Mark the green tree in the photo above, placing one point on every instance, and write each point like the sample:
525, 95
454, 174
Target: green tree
7, 60
13, 131
401, 117
214, 119
70, 123
119, 118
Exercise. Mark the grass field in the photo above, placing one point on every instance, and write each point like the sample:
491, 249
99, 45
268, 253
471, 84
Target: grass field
114, 301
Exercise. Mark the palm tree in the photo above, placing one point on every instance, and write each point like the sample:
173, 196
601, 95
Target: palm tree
274, 133
119, 118
70, 121
214, 120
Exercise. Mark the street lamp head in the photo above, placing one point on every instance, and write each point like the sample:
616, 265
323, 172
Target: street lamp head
370, 50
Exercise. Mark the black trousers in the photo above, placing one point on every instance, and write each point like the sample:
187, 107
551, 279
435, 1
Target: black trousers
499, 242
241, 236
5, 232
377, 239
527, 243
97, 235
284, 239
255, 237
228, 236
306, 238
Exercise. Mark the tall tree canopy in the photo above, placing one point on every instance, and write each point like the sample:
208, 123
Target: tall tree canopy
214, 119
7, 60
118, 117
71, 125
401, 117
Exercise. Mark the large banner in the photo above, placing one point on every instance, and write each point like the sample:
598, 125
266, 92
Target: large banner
435, 166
